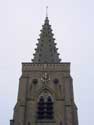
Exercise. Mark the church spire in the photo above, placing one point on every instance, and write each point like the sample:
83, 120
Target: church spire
46, 11
46, 51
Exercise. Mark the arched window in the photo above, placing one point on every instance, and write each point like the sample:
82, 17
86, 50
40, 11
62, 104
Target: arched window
45, 108
41, 108
49, 107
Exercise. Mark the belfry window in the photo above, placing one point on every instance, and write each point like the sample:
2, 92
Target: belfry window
45, 109
49, 108
41, 109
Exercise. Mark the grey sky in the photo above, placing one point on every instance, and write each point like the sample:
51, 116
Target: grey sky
73, 26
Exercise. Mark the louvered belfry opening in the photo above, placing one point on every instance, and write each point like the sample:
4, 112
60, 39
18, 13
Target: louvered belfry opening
41, 109
45, 109
49, 107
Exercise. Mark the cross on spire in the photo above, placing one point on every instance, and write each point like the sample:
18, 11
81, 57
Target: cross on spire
46, 11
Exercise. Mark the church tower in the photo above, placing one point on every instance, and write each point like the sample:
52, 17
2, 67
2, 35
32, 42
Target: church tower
45, 95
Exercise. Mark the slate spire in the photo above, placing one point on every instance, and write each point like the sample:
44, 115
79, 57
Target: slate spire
46, 51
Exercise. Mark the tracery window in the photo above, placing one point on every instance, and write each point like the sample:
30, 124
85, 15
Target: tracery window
41, 109
45, 108
49, 108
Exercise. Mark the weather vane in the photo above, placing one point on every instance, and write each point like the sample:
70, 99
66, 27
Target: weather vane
46, 11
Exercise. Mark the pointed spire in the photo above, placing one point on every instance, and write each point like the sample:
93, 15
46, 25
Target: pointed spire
46, 51
46, 11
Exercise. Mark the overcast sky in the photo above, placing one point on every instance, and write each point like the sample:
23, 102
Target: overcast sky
73, 26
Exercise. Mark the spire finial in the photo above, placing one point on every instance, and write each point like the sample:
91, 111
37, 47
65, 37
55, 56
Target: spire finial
46, 11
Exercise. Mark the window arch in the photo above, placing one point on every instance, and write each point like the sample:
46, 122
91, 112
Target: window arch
41, 108
45, 108
49, 108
